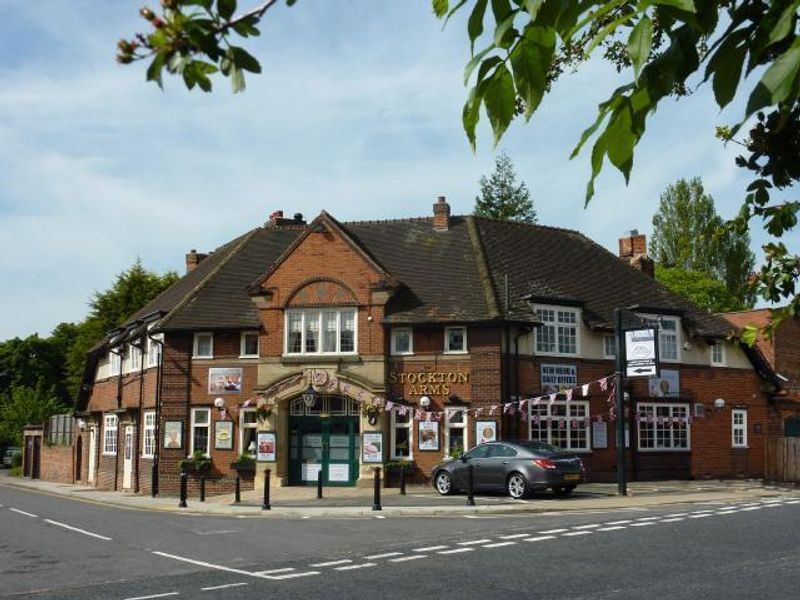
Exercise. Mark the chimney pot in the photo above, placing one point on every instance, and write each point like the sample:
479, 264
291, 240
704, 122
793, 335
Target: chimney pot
441, 214
194, 258
633, 249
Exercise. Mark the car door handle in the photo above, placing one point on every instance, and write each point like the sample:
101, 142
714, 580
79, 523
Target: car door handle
505, 462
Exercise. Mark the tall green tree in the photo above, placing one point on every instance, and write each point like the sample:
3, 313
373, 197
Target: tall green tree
22, 405
688, 234
502, 197
527, 44
32, 361
699, 288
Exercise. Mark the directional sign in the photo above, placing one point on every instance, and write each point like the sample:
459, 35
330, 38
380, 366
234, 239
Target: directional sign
641, 352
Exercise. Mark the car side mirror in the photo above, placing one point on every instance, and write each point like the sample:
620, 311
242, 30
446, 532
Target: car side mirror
463, 458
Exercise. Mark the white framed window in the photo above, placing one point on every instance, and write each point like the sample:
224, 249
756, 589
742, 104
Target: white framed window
609, 346
328, 331
149, 437
455, 431
201, 430
664, 427
717, 354
203, 345
114, 362
561, 424
110, 425
559, 332
134, 358
154, 350
402, 434
402, 340
455, 340
249, 345
739, 428
555, 378
248, 428
669, 337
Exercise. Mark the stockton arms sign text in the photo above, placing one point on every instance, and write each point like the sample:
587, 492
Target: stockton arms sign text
428, 383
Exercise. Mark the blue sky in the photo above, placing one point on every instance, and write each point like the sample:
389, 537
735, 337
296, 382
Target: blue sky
358, 113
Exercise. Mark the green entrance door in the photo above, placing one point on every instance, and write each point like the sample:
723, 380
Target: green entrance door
327, 444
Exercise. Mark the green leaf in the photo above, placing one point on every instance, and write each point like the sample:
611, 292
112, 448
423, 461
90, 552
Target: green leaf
783, 26
237, 80
155, 69
500, 8
598, 152
620, 138
244, 60
458, 5
531, 59
226, 8
500, 37
726, 66
779, 81
683, 5
471, 114
749, 335
639, 44
487, 66
532, 7
500, 101
474, 62
475, 22
440, 7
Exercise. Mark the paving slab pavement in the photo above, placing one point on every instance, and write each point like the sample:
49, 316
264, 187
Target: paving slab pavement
301, 502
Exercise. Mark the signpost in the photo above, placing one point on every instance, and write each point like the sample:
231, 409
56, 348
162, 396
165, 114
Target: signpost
636, 356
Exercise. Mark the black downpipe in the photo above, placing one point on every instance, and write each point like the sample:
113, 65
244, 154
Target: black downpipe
157, 450
506, 420
186, 432
139, 419
119, 406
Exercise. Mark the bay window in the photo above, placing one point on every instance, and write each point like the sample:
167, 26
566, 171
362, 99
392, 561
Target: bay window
328, 331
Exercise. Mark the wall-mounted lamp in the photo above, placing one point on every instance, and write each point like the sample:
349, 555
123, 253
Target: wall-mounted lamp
81, 424
219, 403
425, 402
309, 396
719, 404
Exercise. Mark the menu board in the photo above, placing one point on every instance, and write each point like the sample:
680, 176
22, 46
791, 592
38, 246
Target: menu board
339, 472
373, 448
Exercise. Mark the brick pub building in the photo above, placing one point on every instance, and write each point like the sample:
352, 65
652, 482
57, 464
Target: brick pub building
412, 339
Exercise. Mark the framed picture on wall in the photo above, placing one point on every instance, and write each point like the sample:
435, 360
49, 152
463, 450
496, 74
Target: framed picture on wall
485, 431
428, 435
223, 435
173, 435
265, 448
373, 448
224, 381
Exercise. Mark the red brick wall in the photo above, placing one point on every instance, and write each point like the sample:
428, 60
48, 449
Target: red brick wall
57, 464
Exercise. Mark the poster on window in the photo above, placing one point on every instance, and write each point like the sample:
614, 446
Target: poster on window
666, 386
224, 381
340, 473
599, 434
173, 435
265, 446
223, 435
373, 448
428, 435
485, 431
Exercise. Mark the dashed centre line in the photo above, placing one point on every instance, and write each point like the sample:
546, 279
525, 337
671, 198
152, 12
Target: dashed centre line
77, 530
613, 528
296, 575
574, 533
22, 512
331, 563
645, 524
407, 558
514, 536
623, 522
429, 548
553, 531
540, 538
592, 526
155, 596
353, 567
498, 545
222, 587
475, 542
384, 555
456, 551
673, 520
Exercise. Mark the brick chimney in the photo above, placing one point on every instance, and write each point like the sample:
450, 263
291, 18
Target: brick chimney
194, 258
276, 219
441, 214
633, 249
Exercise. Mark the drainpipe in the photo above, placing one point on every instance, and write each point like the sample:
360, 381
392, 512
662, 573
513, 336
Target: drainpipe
525, 330
505, 418
119, 406
157, 432
139, 418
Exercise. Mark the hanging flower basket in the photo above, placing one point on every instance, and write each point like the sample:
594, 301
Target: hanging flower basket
263, 412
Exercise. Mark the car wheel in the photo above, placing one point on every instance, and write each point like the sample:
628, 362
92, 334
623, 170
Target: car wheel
517, 486
443, 483
563, 490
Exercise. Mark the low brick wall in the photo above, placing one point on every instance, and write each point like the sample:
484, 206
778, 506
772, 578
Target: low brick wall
57, 464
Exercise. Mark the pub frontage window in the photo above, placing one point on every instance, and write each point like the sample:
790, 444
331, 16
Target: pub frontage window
328, 331
248, 428
402, 341
455, 427
201, 430
455, 340
401, 434
664, 427
561, 424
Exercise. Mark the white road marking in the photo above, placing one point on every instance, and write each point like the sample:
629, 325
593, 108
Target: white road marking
752, 508
727, 512
793, 502
201, 563
553, 531
701, 516
623, 522
540, 538
331, 563
295, 575
76, 530
645, 524
647, 518
676, 515
514, 536
593, 526
155, 596
407, 558
772, 505
574, 533
380, 516
274, 571
474, 542
673, 520
222, 587
385, 555
22, 512
351, 567
221, 532
478, 517
456, 551
498, 544
614, 528
429, 548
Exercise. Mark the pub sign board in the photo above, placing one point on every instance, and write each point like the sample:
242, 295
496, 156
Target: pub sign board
641, 352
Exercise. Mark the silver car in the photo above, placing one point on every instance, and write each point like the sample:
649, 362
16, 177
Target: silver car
517, 468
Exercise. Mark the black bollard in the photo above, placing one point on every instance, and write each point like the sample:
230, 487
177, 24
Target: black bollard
402, 480
184, 484
265, 505
376, 500
238, 490
471, 486
319, 484
202, 488
154, 480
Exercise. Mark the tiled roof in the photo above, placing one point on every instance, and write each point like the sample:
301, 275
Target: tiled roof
478, 270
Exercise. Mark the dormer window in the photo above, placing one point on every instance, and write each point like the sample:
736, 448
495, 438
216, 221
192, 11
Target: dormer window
559, 332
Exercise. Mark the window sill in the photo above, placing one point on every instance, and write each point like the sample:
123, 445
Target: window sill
201, 357
319, 358
402, 354
462, 352
249, 356
666, 450
108, 454
558, 354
